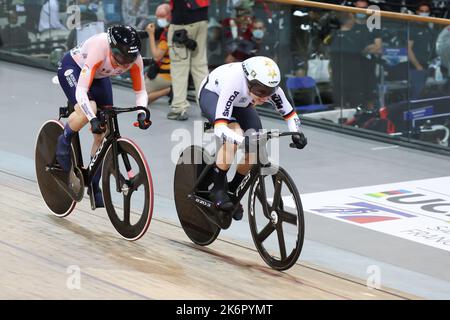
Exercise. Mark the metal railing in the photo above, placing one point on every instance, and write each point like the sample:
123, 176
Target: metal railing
283, 33
384, 14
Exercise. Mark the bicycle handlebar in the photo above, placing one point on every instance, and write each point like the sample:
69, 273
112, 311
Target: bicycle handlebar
275, 134
116, 110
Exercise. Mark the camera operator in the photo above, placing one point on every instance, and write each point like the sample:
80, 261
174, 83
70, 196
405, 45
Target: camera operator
187, 50
157, 80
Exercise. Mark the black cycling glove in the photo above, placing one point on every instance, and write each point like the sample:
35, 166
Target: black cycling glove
299, 141
97, 126
143, 122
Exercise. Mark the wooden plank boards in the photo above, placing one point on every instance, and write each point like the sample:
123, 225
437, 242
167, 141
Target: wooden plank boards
37, 250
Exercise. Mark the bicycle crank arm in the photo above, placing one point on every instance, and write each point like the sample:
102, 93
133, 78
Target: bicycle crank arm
217, 217
91, 197
68, 181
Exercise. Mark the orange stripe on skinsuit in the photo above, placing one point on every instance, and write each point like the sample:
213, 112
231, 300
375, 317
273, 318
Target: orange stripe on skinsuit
135, 73
220, 122
93, 71
290, 115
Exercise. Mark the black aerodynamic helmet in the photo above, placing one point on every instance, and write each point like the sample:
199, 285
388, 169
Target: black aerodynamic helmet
124, 42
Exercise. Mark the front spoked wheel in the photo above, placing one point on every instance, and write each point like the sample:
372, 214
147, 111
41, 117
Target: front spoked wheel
129, 210
276, 219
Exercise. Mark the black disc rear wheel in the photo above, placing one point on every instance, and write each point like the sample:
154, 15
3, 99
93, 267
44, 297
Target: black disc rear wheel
189, 167
56, 199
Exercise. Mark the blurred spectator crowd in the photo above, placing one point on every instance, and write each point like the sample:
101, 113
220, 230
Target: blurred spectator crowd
349, 64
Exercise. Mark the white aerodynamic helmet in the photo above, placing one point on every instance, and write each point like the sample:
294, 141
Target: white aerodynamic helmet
263, 75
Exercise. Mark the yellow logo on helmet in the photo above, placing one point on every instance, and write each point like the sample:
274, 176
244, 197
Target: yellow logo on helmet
268, 63
272, 73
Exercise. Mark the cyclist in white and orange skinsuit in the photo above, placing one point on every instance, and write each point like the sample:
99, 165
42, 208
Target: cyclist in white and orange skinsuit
84, 73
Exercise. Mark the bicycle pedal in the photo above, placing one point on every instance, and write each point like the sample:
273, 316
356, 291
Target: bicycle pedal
238, 212
224, 219
226, 208
58, 173
74, 182
220, 218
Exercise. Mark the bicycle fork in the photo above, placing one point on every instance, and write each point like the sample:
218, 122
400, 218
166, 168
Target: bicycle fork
126, 162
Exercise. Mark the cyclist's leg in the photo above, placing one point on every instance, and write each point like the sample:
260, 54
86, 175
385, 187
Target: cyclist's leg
225, 156
77, 120
225, 152
249, 121
101, 92
68, 73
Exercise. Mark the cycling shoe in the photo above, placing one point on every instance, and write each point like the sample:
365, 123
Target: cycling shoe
237, 207
221, 200
239, 213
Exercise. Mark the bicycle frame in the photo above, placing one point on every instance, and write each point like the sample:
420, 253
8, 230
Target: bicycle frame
96, 161
113, 134
249, 179
253, 174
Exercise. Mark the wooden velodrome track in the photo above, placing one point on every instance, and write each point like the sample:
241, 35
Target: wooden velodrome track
37, 251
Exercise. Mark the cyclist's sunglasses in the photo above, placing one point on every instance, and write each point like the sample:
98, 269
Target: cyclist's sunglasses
121, 59
261, 91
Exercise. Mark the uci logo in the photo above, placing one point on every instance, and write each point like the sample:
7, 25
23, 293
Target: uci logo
226, 112
425, 203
